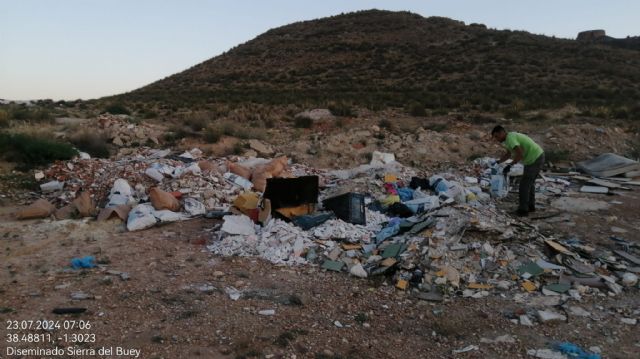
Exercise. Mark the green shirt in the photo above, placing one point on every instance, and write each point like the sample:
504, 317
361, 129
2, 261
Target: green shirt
531, 150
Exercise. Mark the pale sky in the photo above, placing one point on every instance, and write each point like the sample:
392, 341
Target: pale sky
69, 49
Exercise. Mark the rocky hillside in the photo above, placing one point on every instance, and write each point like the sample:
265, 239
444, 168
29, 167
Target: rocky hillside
382, 59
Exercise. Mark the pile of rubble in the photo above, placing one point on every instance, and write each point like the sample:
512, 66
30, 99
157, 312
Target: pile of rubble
123, 133
439, 236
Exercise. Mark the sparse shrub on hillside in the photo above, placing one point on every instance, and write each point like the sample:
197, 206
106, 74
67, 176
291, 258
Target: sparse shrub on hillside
437, 127
634, 151
33, 115
621, 113
481, 119
117, 109
341, 109
92, 142
303, 122
556, 155
30, 151
175, 133
238, 148
148, 114
539, 117
212, 134
197, 122
416, 109
4, 119
385, 123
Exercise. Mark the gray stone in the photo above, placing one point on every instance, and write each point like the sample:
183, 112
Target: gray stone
547, 316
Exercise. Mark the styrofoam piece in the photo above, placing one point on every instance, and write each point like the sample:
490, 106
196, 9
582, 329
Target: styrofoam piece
594, 189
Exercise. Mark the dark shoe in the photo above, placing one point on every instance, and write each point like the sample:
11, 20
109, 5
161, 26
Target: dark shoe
521, 213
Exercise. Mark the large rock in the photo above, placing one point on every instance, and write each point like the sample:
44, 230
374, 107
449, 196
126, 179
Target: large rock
316, 114
591, 35
261, 147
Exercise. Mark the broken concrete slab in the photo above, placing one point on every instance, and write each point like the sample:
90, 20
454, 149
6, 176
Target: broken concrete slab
578, 204
547, 316
594, 189
608, 165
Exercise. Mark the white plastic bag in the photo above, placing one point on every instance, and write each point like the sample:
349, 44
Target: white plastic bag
194, 207
155, 174
241, 225
141, 217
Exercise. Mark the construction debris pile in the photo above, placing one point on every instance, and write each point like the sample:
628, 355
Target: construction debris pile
438, 236
122, 133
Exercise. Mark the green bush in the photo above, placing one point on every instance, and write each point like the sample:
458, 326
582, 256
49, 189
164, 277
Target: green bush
30, 151
31, 115
117, 109
212, 134
303, 122
384, 123
556, 155
416, 109
94, 143
341, 109
4, 119
437, 127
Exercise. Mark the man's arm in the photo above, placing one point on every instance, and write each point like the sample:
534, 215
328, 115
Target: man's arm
519, 154
505, 156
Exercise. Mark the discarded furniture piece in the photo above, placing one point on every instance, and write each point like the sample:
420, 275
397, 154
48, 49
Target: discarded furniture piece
292, 197
349, 207
608, 165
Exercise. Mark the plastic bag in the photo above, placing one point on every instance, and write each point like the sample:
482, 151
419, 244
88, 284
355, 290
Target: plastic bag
121, 187
155, 174
38, 209
239, 170
194, 207
163, 200
238, 180
141, 217
259, 180
84, 205
207, 166
121, 212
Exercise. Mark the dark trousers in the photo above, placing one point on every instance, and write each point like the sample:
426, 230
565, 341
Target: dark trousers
527, 193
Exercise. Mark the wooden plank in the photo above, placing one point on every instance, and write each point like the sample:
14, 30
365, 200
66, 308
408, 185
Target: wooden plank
603, 183
594, 189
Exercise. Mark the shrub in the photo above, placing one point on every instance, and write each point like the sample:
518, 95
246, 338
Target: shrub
384, 123
117, 109
94, 143
556, 155
416, 109
30, 151
212, 134
437, 127
341, 109
634, 151
31, 115
238, 148
197, 122
4, 119
303, 122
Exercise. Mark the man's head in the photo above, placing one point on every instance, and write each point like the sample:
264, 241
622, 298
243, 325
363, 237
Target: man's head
499, 133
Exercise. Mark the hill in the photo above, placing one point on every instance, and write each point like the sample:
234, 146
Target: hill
381, 59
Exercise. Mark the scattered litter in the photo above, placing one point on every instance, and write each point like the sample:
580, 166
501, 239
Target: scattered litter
574, 351
468, 348
546, 354
546, 316
84, 262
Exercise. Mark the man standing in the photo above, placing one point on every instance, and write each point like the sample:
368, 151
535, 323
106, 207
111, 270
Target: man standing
522, 148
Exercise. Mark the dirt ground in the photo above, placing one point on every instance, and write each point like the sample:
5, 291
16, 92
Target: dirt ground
174, 305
